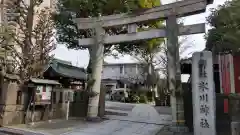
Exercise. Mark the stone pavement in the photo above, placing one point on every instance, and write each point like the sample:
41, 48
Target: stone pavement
141, 119
14, 131
118, 127
56, 127
143, 113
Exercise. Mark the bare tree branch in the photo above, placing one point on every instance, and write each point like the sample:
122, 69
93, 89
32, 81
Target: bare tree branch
34, 40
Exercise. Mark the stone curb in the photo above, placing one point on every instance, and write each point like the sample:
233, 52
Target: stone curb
10, 133
115, 113
13, 131
17, 131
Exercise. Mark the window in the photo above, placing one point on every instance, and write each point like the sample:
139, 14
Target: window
121, 69
19, 97
136, 69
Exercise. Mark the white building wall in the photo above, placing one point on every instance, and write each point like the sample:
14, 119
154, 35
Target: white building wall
129, 71
111, 72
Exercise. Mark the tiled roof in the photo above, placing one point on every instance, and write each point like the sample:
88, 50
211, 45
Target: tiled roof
44, 81
66, 69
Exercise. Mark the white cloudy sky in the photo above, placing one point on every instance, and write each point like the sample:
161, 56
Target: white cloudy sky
81, 57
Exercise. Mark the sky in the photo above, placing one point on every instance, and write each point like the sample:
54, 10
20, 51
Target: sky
80, 57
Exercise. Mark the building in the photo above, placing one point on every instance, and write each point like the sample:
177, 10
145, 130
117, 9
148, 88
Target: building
122, 75
64, 72
45, 98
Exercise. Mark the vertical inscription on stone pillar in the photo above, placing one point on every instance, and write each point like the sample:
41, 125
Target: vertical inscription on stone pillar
203, 94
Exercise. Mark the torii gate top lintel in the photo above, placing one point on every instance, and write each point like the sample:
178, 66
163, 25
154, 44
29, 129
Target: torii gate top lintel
180, 9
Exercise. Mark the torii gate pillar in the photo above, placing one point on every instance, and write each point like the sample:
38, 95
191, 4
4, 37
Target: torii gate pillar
174, 70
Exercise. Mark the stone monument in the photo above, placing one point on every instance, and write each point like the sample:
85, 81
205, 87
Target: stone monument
203, 94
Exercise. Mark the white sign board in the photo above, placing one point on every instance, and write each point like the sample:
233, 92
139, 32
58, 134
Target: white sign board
46, 94
203, 94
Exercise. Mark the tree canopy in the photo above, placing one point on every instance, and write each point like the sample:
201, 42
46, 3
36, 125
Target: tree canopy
67, 31
225, 20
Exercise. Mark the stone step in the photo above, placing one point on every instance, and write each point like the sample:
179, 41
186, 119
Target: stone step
119, 108
115, 112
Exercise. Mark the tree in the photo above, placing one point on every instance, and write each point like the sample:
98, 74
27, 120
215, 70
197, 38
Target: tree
33, 38
225, 20
145, 51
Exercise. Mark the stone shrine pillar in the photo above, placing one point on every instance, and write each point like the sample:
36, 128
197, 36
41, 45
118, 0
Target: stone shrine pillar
97, 63
174, 70
203, 94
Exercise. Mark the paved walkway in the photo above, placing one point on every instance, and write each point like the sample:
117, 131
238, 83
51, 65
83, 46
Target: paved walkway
118, 127
141, 119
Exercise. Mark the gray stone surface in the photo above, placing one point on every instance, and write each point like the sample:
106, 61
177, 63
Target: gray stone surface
118, 127
11, 131
141, 120
56, 127
203, 94
143, 113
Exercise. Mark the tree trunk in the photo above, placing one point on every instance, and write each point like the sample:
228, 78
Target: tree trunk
28, 43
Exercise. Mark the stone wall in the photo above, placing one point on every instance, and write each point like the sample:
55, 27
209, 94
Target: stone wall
12, 114
13, 106
10, 111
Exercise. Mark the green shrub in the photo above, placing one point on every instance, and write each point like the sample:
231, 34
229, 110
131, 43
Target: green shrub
135, 99
143, 99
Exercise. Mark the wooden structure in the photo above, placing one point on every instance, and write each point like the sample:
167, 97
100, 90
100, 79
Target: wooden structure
73, 79
40, 97
68, 75
170, 13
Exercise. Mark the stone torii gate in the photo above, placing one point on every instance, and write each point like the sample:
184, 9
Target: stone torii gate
169, 12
